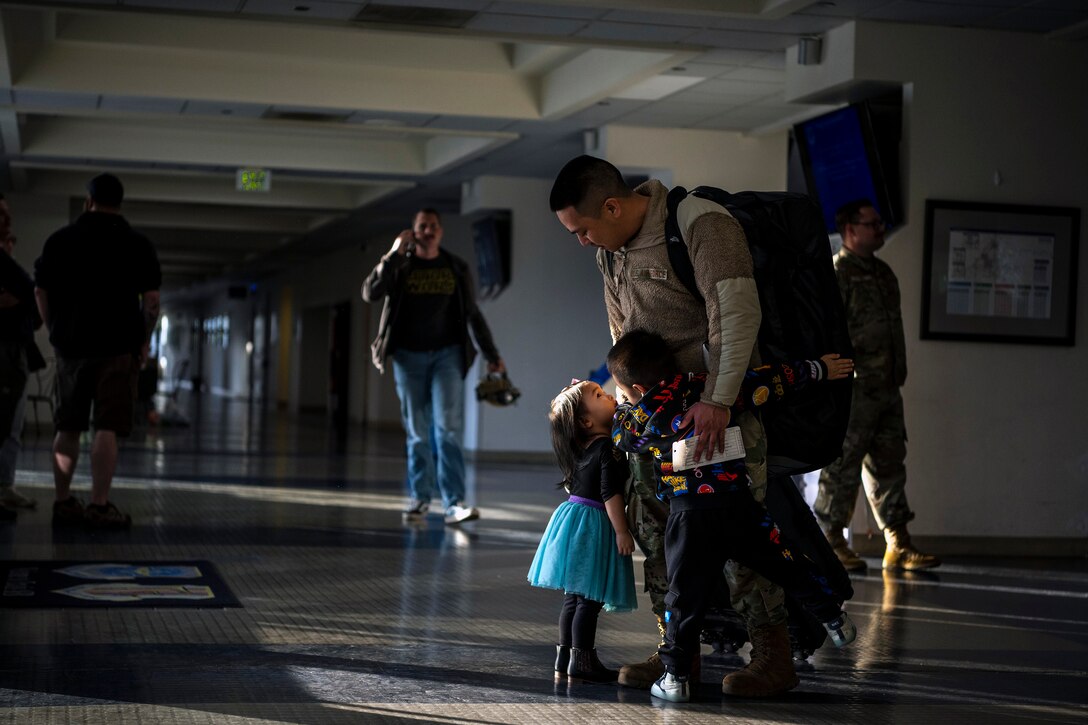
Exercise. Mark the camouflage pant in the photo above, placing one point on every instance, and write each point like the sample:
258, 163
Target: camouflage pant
759, 602
876, 441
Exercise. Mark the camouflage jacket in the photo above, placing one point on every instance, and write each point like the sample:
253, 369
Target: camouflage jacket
870, 293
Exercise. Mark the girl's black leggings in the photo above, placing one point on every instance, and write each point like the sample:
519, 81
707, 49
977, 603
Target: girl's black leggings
578, 622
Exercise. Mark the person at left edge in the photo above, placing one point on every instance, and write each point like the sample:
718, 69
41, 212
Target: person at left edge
18, 320
428, 310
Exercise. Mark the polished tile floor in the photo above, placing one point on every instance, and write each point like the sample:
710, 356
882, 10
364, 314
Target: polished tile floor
350, 617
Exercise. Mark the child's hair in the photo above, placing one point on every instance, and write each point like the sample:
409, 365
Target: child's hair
642, 358
567, 435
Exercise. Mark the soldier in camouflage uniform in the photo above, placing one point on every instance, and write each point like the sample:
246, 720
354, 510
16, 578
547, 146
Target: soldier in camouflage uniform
876, 436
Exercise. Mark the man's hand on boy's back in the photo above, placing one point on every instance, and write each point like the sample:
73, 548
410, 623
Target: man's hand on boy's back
837, 367
710, 424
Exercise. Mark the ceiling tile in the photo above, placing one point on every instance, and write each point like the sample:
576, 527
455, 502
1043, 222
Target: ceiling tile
318, 9
469, 123
379, 118
444, 4
672, 113
222, 6
729, 85
55, 99
756, 75
687, 20
730, 56
547, 11
141, 104
605, 112
633, 32
522, 24
775, 60
702, 70
742, 40
845, 8
219, 108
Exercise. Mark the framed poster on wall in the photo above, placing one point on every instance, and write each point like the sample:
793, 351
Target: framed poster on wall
1000, 273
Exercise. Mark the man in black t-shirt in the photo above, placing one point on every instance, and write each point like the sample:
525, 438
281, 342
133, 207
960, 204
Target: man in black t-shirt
429, 308
98, 292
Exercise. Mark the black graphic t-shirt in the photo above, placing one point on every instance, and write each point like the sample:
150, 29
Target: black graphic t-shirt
429, 315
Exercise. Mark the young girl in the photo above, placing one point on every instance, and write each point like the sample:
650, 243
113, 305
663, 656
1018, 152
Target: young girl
581, 552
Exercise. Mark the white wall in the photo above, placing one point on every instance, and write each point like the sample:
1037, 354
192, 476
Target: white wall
549, 324
732, 161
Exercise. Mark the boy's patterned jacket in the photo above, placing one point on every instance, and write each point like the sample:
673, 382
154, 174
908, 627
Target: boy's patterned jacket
653, 424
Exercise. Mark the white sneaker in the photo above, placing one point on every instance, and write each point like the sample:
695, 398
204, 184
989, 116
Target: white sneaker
11, 497
841, 630
458, 513
417, 510
673, 688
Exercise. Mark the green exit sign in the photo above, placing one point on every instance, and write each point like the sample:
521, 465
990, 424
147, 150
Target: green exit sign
254, 180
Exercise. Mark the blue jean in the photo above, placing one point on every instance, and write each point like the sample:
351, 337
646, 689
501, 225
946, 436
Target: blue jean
431, 389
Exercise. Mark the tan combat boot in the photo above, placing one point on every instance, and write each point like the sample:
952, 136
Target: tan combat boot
901, 554
770, 672
849, 558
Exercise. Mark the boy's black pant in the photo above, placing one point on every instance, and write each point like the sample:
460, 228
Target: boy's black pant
698, 542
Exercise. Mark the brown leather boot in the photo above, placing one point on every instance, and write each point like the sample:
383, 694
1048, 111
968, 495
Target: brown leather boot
642, 675
901, 554
585, 666
849, 558
770, 672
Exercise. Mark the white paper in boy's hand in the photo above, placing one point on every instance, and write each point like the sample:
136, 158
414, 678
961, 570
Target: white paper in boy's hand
683, 452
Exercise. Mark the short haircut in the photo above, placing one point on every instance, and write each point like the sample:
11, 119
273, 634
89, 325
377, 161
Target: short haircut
584, 183
106, 190
641, 358
850, 213
426, 210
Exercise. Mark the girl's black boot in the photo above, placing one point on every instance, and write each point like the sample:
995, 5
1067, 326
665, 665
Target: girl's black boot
585, 666
562, 661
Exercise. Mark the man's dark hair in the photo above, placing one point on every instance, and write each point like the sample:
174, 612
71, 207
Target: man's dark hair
106, 190
427, 210
584, 183
641, 358
850, 213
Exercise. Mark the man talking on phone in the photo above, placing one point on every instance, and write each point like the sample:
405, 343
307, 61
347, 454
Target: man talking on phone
428, 311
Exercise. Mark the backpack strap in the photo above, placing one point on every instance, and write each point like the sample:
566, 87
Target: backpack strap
679, 257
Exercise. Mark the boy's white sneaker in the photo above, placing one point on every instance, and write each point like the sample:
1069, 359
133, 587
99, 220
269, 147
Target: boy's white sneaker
841, 630
458, 513
674, 688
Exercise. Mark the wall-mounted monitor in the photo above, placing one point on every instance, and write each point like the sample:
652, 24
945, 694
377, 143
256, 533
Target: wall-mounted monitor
491, 236
853, 153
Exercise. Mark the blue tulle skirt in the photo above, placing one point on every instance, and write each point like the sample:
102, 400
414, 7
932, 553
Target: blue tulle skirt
578, 555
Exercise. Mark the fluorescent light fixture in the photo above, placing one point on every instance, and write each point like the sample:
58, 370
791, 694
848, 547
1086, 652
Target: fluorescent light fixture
657, 87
